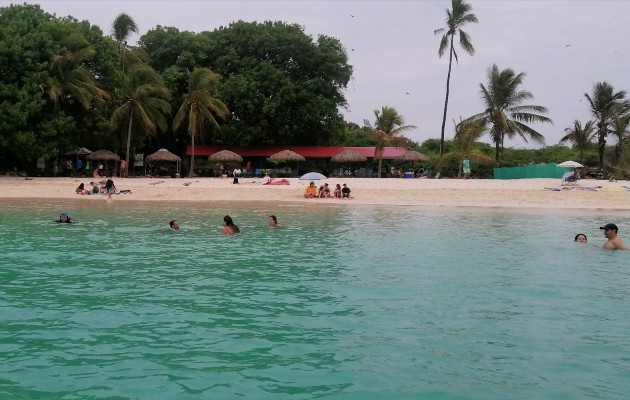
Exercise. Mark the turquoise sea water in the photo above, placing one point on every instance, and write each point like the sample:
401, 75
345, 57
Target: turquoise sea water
339, 303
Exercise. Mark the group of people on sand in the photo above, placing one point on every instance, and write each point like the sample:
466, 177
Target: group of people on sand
104, 187
614, 242
324, 191
229, 227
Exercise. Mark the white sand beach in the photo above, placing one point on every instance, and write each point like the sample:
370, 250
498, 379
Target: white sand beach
487, 193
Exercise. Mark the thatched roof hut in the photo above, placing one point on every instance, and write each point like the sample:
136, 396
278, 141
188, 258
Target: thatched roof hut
162, 156
348, 156
225, 156
286, 155
102, 155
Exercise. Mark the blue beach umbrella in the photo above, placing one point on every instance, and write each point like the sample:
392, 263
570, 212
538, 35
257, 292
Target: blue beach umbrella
312, 176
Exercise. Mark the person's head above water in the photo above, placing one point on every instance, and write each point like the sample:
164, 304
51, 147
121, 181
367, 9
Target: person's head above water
63, 217
580, 238
174, 224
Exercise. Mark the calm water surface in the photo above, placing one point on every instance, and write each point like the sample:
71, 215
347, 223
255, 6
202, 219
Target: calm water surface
339, 303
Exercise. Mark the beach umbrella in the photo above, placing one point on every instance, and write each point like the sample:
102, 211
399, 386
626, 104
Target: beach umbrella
312, 176
413, 155
286, 155
162, 156
225, 156
570, 164
79, 151
102, 155
348, 156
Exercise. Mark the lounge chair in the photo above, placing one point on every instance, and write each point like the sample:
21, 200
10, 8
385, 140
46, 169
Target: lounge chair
569, 178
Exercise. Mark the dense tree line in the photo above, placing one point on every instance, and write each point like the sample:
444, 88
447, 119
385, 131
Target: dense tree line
65, 84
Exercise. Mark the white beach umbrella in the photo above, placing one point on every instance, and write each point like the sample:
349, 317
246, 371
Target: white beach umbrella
570, 164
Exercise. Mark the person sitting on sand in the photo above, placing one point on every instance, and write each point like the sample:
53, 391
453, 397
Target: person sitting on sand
81, 189
96, 189
110, 188
614, 242
311, 191
324, 191
273, 221
228, 226
174, 224
580, 238
337, 192
345, 192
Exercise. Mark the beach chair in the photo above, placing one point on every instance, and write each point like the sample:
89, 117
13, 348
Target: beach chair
569, 178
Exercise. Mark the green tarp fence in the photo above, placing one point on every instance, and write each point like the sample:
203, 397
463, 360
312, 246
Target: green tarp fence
531, 171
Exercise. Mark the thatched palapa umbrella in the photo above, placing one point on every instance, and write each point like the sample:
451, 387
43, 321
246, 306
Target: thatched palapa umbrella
79, 151
102, 155
163, 156
225, 156
413, 155
286, 155
348, 156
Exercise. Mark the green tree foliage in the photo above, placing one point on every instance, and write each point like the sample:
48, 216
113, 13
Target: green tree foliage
467, 132
621, 133
456, 18
581, 137
200, 107
144, 103
34, 50
605, 103
73, 81
122, 27
281, 86
504, 108
387, 131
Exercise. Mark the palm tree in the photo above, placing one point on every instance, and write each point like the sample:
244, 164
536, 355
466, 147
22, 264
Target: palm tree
144, 96
504, 108
387, 131
620, 130
122, 27
459, 16
73, 79
200, 107
467, 132
605, 103
580, 136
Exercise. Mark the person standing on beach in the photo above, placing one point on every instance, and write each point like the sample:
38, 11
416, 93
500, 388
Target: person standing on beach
123, 168
614, 242
466, 167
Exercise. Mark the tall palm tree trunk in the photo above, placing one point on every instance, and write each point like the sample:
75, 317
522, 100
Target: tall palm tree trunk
129, 136
448, 84
602, 145
192, 156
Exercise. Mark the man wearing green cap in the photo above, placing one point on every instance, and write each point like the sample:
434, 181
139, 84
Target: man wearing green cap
614, 242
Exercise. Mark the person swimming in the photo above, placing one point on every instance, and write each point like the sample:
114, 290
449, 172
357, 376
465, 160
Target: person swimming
580, 238
64, 218
228, 226
273, 221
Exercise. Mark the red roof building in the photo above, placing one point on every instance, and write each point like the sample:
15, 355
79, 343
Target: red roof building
306, 151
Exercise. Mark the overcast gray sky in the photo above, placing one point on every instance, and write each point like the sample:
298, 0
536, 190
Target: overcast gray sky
564, 47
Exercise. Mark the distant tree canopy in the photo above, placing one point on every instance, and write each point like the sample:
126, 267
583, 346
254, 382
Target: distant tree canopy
280, 86
40, 109
61, 82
